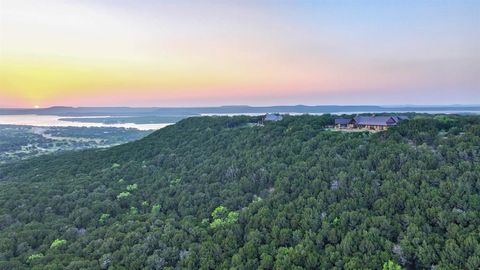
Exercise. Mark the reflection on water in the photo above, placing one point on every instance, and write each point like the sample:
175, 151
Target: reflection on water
53, 121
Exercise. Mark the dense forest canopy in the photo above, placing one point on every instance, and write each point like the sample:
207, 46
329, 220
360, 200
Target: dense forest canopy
220, 193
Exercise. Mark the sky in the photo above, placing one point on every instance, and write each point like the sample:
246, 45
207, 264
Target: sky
238, 52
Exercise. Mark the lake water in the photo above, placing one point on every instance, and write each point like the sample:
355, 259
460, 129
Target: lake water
54, 121
340, 113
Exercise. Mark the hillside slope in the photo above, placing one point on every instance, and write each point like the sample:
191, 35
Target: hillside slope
217, 193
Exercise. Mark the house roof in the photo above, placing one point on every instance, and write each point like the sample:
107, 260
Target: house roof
273, 117
375, 120
342, 121
398, 118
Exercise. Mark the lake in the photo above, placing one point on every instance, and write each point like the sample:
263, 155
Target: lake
54, 121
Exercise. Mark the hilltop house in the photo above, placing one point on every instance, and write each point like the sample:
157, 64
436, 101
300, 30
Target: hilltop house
343, 122
369, 122
274, 117
374, 122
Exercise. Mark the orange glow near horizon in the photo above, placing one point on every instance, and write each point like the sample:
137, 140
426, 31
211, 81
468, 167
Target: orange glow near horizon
177, 54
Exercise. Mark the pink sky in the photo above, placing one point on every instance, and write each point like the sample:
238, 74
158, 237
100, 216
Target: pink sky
205, 52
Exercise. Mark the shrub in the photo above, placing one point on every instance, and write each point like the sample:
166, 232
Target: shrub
58, 243
122, 195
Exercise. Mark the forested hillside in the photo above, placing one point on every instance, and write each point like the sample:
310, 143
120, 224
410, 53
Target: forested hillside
218, 193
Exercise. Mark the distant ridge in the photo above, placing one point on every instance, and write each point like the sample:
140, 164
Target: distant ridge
233, 109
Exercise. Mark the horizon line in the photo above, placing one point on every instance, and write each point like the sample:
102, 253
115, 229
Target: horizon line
251, 106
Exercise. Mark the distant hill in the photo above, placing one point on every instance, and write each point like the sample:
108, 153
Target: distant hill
190, 111
224, 193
